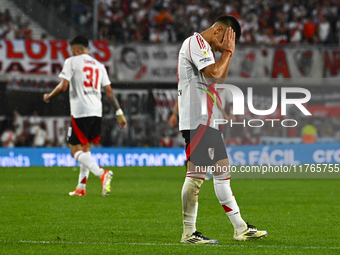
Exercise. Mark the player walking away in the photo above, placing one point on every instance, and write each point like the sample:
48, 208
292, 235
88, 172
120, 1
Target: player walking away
86, 76
198, 71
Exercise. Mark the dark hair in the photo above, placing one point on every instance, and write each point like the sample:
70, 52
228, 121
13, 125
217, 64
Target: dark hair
231, 21
80, 40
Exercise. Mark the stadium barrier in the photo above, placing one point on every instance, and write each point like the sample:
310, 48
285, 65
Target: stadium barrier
292, 154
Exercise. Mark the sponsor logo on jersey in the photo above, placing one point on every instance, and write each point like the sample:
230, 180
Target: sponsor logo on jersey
211, 153
93, 92
203, 60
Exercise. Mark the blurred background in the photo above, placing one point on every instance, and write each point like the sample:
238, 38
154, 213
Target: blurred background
283, 43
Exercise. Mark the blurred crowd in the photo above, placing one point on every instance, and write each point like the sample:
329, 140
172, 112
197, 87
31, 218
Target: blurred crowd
262, 22
32, 131
170, 21
19, 131
13, 28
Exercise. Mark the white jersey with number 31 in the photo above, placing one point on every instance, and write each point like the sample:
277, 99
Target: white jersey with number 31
87, 77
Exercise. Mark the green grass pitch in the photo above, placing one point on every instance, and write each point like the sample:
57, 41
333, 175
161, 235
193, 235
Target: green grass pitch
142, 215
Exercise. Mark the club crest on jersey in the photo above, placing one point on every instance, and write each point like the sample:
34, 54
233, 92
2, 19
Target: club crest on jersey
211, 153
205, 53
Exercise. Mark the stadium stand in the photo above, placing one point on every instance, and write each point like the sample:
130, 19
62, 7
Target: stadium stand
263, 22
15, 24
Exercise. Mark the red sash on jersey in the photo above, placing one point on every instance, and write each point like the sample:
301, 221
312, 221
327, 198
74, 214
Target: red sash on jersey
199, 134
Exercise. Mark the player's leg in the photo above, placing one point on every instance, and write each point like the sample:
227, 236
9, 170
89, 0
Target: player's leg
84, 158
190, 191
81, 134
197, 159
242, 230
83, 176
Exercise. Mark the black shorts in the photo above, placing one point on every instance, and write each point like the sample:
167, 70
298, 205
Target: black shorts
209, 147
84, 130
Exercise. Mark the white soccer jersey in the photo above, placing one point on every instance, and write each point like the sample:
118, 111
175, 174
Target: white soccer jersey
86, 76
194, 55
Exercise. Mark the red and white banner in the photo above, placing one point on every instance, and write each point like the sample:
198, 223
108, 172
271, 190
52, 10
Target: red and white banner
255, 65
331, 60
146, 63
251, 65
33, 57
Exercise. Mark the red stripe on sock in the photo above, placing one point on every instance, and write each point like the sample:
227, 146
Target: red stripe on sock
83, 181
226, 208
79, 155
194, 177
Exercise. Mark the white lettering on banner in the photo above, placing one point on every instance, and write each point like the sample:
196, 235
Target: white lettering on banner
65, 160
46, 57
17, 161
263, 156
326, 156
129, 159
49, 159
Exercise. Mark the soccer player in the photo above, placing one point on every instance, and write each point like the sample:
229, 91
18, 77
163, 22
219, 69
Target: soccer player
198, 71
86, 76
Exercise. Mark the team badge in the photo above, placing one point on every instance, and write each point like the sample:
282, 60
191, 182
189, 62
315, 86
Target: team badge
205, 53
211, 153
303, 60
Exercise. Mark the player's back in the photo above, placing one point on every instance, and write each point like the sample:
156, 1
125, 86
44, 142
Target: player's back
87, 76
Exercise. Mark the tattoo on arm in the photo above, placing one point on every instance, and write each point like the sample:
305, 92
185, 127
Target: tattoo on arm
114, 102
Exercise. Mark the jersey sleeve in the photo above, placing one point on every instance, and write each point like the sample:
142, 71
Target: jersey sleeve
105, 79
200, 52
67, 71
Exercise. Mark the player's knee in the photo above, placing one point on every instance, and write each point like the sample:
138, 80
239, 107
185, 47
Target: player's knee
222, 175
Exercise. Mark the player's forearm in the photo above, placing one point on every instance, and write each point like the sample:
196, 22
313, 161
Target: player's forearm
112, 99
175, 112
225, 74
57, 91
220, 68
224, 61
114, 102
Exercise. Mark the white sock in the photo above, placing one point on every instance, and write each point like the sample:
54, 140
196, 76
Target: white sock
87, 161
190, 192
228, 201
83, 175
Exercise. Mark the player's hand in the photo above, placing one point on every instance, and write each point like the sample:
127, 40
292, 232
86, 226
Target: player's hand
173, 120
46, 98
228, 42
121, 121
229, 117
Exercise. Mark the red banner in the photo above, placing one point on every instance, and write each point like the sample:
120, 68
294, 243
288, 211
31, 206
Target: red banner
35, 57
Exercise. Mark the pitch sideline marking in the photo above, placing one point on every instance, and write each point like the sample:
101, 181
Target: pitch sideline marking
171, 244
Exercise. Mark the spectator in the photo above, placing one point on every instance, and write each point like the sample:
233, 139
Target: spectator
34, 122
8, 137
295, 30
18, 124
27, 32
324, 29
40, 139
7, 16
156, 35
309, 31
4, 29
